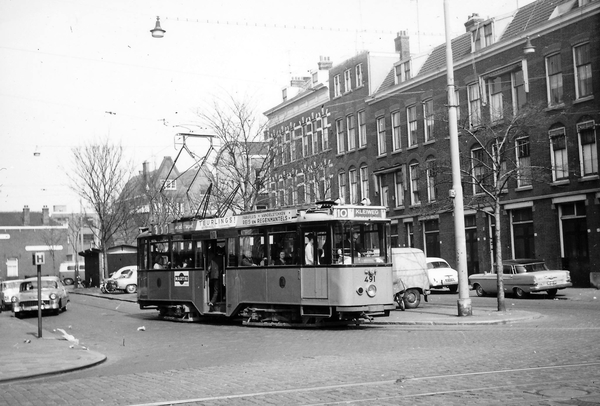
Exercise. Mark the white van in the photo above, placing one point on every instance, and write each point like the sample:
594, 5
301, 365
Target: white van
66, 272
410, 276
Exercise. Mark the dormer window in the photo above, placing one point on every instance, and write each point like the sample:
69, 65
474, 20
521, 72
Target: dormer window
170, 184
403, 72
483, 36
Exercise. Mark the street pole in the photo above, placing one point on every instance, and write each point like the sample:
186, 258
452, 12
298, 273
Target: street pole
464, 302
39, 297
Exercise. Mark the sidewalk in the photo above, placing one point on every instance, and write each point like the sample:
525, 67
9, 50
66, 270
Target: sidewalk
23, 355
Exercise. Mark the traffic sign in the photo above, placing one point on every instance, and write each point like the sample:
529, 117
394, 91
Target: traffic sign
39, 258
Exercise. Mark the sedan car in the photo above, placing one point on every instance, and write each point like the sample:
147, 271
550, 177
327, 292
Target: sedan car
125, 281
521, 277
54, 296
441, 275
7, 290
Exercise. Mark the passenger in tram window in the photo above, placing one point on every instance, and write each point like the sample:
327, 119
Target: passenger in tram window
281, 260
247, 258
309, 250
358, 248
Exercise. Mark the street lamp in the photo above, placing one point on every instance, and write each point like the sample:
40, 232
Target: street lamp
157, 31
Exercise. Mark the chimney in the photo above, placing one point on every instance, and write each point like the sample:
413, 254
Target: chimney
45, 216
472, 22
402, 45
325, 63
26, 218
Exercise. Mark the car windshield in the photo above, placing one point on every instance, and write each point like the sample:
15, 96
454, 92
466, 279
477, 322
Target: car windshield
33, 285
537, 266
437, 264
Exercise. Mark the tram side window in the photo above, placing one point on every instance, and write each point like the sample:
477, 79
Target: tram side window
182, 254
160, 255
143, 254
198, 255
281, 246
252, 248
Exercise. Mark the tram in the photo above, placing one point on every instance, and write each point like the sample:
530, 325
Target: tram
291, 267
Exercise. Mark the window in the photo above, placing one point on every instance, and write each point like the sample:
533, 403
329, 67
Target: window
554, 80
558, 146
325, 134
431, 186
477, 169
358, 75
588, 152
399, 191
523, 162
409, 234
402, 72
428, 119
474, 104
457, 101
396, 132
483, 37
347, 81
342, 187
351, 132
364, 182
519, 97
341, 139
362, 129
169, 184
431, 231
381, 141
12, 267
353, 186
583, 70
523, 235
496, 102
414, 184
411, 114
337, 91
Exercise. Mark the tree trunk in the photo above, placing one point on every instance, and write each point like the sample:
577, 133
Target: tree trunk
498, 259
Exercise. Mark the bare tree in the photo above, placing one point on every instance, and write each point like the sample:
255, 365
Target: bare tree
53, 237
99, 176
495, 153
243, 158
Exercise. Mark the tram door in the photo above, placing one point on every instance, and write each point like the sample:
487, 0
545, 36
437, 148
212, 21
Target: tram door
215, 267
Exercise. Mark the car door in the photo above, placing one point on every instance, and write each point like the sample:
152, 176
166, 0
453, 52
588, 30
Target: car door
508, 277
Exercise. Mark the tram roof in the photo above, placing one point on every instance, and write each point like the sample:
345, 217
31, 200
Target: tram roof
282, 216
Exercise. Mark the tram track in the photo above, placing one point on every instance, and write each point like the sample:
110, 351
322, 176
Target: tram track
534, 390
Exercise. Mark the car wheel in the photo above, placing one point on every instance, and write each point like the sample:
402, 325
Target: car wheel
398, 298
131, 288
453, 288
520, 293
479, 290
68, 281
551, 292
412, 299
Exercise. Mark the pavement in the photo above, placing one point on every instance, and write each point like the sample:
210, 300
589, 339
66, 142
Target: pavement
24, 356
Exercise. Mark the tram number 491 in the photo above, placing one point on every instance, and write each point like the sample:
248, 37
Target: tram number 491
370, 278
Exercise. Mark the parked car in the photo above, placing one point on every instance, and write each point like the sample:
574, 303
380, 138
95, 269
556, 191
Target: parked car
126, 280
521, 277
54, 296
7, 290
441, 275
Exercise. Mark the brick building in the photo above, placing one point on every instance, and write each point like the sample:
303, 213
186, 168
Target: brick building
541, 59
26, 232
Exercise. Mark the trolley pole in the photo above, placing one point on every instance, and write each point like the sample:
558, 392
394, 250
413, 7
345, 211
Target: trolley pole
464, 302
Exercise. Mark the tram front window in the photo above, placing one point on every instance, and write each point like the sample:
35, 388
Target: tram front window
359, 244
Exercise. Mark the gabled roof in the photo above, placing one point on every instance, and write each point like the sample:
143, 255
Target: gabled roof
526, 18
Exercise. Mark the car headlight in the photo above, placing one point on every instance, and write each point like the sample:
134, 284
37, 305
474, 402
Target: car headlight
52, 296
13, 299
371, 290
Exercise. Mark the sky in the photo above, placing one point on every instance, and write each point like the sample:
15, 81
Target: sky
77, 72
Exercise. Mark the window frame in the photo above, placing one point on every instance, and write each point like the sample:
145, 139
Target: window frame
428, 119
381, 136
412, 125
358, 75
396, 130
558, 87
586, 82
474, 104
559, 156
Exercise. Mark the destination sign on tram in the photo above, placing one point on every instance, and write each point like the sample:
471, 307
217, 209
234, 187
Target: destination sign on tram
359, 212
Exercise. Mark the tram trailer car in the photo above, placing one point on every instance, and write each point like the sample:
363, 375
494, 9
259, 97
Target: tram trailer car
329, 264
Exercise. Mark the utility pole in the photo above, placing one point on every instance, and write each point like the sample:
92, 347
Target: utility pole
464, 302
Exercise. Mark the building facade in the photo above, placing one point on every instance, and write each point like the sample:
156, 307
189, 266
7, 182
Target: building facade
529, 79
24, 233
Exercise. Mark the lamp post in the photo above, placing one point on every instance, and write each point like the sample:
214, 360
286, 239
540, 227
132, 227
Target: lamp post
464, 302
157, 31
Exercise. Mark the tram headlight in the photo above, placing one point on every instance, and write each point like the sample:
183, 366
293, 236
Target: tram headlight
371, 290
360, 291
